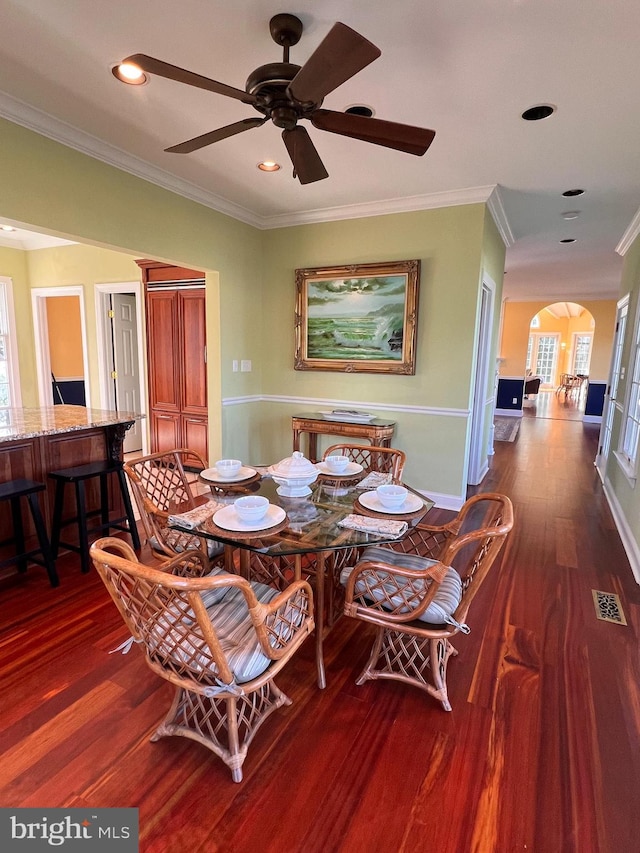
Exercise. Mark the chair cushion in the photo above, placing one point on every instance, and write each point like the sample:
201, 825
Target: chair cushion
214, 549
173, 634
444, 602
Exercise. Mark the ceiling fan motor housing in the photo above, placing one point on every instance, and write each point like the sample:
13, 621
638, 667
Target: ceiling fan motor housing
269, 84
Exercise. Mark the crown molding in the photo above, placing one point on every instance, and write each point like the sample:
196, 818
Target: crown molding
497, 211
430, 201
629, 235
59, 131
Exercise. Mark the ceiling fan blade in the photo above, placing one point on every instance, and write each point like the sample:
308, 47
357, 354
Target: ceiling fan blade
215, 136
402, 137
341, 54
172, 72
306, 161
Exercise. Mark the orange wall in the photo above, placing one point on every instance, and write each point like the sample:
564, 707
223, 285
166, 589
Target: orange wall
516, 322
65, 338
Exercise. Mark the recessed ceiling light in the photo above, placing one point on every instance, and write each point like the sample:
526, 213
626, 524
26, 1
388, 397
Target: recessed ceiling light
269, 166
571, 193
127, 72
571, 214
7, 228
360, 110
538, 112
568, 240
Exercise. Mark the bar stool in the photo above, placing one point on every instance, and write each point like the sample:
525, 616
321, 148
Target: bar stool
79, 475
13, 491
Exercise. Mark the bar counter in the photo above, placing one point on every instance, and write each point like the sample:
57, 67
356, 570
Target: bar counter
34, 441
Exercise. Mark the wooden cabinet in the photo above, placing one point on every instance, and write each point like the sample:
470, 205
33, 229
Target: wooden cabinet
176, 357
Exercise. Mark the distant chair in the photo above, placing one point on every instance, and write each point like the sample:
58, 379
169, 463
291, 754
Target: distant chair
159, 483
570, 384
387, 460
532, 386
419, 600
219, 639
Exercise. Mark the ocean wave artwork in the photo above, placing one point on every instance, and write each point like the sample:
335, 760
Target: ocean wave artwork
356, 319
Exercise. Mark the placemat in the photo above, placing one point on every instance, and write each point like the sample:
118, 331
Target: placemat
408, 516
212, 528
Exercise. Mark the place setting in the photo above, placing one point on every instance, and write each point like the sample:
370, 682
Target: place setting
390, 499
247, 515
229, 474
336, 467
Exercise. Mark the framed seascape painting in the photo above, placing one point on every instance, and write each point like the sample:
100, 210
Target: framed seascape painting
358, 319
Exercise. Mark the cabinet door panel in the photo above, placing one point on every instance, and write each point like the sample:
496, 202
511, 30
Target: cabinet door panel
194, 340
163, 326
166, 432
195, 433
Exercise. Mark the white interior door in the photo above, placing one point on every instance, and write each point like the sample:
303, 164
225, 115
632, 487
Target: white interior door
125, 357
119, 325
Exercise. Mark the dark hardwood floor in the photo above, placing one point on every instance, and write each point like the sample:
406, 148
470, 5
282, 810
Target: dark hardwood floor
541, 752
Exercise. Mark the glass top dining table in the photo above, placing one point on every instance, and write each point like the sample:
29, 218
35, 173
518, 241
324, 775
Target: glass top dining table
308, 525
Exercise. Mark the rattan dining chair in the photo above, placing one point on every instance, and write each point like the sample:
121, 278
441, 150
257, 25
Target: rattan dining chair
159, 483
418, 603
219, 639
387, 460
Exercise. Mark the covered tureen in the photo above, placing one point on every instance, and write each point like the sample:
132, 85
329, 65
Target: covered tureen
294, 475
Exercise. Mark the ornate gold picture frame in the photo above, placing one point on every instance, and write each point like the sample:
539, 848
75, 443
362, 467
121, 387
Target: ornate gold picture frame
360, 318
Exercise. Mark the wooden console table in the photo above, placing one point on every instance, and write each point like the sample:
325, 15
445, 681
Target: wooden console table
378, 431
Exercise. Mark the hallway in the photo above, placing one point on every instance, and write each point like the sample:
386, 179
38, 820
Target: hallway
559, 406
541, 752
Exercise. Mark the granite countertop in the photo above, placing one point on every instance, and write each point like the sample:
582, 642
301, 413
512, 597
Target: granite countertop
31, 423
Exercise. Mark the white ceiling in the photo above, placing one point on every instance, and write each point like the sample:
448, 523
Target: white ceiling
466, 68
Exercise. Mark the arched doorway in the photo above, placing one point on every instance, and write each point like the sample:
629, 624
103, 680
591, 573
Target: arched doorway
559, 350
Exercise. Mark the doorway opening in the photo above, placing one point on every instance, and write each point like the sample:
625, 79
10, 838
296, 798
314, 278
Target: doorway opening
120, 346
559, 348
60, 331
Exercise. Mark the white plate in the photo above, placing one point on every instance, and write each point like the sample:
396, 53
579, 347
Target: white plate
363, 418
350, 471
214, 476
412, 503
227, 518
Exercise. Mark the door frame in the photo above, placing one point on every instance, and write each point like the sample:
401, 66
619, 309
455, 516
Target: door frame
611, 402
103, 340
41, 340
483, 386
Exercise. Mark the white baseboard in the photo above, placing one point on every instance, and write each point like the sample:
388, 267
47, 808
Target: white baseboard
509, 413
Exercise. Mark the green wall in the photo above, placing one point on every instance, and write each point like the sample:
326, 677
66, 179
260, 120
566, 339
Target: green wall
430, 408
51, 187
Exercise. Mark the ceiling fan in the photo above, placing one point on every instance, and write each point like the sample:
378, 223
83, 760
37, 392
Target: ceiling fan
287, 93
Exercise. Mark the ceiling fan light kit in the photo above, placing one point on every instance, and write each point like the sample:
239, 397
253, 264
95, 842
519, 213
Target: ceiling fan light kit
286, 94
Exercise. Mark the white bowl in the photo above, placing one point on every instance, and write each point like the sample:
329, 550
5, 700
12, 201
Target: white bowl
228, 468
251, 507
336, 463
391, 496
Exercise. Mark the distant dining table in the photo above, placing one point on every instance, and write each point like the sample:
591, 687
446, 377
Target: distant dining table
318, 531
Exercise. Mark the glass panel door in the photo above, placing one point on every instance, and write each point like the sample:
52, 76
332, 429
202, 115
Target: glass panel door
544, 356
581, 354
